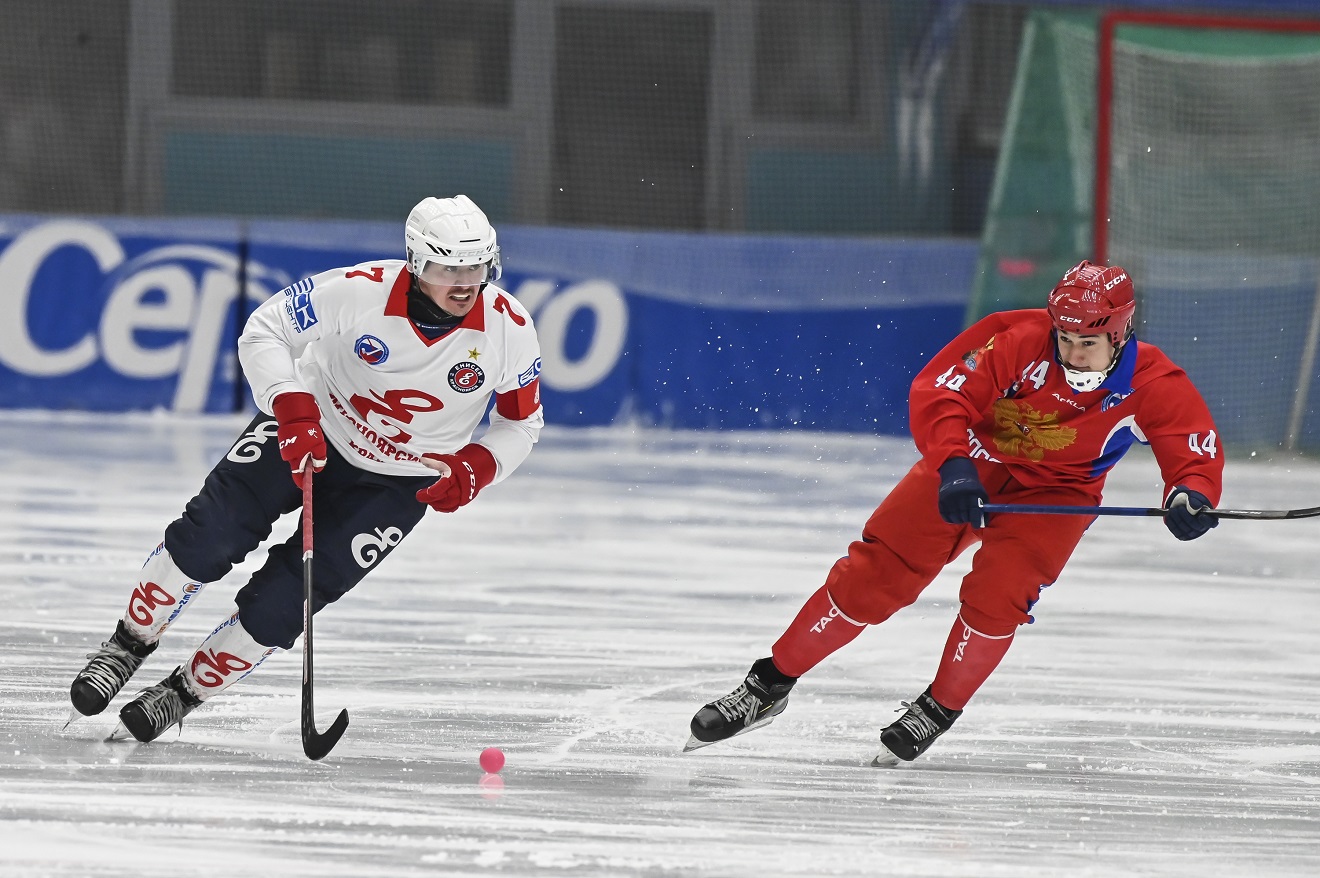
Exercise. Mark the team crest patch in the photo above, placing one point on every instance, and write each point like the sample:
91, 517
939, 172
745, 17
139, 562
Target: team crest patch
466, 377
1112, 400
371, 350
971, 358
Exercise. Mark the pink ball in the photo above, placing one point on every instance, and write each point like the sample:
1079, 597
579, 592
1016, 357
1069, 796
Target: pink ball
492, 760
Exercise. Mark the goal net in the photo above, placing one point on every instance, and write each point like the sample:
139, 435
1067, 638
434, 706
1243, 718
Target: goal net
1183, 148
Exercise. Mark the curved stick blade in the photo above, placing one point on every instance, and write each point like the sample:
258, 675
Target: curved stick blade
317, 745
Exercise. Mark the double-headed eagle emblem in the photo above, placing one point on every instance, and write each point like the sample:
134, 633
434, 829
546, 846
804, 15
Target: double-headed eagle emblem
1021, 431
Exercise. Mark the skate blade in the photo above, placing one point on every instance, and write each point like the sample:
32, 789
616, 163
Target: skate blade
694, 744
73, 715
119, 734
886, 759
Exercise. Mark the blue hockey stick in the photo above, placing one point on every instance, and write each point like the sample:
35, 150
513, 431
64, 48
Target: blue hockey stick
1250, 514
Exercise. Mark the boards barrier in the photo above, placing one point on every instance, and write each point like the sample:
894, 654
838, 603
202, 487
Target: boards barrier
673, 329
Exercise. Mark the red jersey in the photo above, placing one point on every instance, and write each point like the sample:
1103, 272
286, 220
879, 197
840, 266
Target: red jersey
997, 392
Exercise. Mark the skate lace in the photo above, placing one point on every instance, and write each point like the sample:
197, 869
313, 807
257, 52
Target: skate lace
737, 704
110, 668
162, 706
918, 723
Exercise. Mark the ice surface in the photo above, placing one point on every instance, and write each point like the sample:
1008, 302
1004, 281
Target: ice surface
1160, 718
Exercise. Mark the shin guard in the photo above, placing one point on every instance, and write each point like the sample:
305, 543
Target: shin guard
818, 630
969, 659
162, 593
226, 656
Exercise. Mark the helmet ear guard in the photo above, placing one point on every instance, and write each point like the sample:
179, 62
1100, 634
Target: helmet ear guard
1094, 300
450, 232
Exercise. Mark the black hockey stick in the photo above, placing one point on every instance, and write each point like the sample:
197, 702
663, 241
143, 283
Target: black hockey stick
315, 745
1247, 514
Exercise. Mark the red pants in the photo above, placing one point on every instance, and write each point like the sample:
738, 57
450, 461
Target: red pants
906, 543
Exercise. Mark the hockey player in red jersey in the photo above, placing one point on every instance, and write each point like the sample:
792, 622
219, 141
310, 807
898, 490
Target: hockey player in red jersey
1030, 407
375, 376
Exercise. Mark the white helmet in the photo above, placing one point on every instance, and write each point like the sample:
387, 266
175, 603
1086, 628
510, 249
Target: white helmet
449, 241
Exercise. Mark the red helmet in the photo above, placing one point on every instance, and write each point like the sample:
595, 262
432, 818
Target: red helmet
1094, 300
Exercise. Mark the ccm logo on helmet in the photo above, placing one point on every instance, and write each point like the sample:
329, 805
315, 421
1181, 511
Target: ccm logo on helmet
1109, 285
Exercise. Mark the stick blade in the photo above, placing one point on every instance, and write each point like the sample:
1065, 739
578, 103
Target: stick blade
317, 745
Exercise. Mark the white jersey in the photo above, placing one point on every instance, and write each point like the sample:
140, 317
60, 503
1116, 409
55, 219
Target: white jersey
389, 395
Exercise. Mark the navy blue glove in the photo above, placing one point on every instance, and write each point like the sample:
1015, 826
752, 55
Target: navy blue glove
961, 494
1185, 518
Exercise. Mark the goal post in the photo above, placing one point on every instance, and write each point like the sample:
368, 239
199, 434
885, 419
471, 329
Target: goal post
1193, 145
1238, 48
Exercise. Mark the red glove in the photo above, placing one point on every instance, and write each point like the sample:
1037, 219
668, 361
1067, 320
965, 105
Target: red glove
299, 433
471, 468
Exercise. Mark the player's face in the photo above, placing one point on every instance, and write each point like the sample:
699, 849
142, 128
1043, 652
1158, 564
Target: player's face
453, 287
1085, 353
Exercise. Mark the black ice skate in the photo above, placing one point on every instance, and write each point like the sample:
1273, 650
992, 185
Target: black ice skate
760, 698
156, 709
107, 672
912, 733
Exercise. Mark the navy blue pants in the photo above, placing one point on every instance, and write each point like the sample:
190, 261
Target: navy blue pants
359, 517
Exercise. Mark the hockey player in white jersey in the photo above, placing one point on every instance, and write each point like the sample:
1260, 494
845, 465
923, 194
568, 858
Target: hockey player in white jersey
376, 376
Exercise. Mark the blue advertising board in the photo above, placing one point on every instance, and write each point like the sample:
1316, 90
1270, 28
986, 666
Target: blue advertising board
109, 315
675, 329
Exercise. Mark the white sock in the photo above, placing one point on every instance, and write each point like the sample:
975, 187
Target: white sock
162, 592
227, 655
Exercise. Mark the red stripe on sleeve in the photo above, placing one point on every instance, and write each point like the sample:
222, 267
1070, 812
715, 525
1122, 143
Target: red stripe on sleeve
521, 403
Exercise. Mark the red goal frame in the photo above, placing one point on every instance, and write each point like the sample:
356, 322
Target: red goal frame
1109, 24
